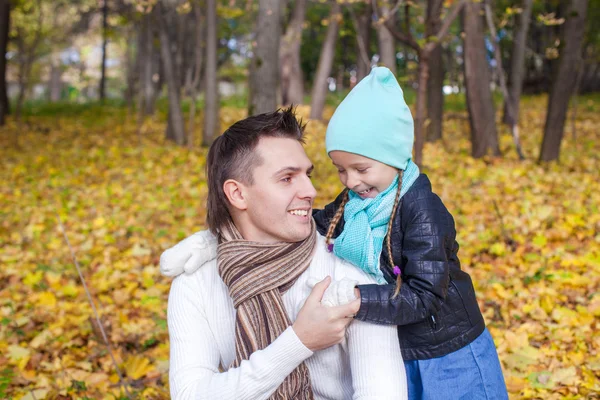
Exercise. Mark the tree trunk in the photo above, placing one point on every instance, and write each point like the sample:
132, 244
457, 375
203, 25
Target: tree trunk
387, 44
477, 78
194, 72
292, 81
148, 62
517, 63
4, 23
363, 39
564, 80
55, 84
175, 128
589, 80
435, 94
319, 91
421, 106
264, 68
211, 107
25, 61
23, 78
102, 91
130, 69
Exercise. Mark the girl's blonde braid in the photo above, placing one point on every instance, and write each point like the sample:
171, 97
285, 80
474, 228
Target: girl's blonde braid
336, 218
388, 240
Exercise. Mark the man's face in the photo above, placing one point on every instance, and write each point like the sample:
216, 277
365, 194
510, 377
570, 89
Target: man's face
279, 202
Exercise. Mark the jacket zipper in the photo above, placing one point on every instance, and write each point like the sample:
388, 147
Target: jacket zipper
433, 322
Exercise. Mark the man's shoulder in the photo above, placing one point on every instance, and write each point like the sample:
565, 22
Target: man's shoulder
202, 277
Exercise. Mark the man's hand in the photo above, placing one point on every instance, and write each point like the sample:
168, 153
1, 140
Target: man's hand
189, 254
338, 293
319, 327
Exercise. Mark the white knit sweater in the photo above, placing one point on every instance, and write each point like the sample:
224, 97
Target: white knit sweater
367, 365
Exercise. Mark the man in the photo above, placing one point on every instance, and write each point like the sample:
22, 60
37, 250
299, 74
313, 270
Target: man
246, 325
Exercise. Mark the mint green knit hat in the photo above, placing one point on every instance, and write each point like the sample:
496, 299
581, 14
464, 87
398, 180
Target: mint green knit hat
374, 121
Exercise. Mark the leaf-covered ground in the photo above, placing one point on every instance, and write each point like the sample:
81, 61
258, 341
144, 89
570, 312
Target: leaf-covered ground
529, 235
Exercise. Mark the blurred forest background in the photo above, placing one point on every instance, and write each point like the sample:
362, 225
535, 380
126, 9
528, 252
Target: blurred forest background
107, 108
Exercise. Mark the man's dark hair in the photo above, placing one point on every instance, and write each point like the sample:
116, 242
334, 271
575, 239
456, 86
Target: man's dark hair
232, 156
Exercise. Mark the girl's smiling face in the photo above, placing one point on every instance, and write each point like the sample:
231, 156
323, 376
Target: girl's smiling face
364, 176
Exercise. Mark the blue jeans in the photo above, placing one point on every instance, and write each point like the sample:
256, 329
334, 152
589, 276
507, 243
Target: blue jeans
472, 372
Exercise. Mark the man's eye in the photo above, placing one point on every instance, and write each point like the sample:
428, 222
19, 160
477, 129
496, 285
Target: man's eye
286, 179
362, 170
341, 171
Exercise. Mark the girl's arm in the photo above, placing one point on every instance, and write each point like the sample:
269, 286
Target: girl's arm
189, 254
429, 240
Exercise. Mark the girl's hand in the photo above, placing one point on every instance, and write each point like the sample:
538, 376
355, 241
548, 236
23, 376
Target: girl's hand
189, 254
338, 293
318, 326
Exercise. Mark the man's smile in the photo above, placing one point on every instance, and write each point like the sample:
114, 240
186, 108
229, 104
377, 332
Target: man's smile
303, 212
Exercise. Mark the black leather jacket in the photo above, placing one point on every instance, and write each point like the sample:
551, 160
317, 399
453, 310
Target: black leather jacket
436, 310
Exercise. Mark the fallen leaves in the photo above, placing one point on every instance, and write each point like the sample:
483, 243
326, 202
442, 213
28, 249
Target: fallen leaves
534, 256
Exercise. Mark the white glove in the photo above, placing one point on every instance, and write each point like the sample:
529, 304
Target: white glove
189, 254
338, 293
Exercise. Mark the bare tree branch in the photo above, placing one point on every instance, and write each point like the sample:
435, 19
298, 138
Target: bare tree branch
446, 23
509, 104
405, 38
388, 14
122, 381
361, 42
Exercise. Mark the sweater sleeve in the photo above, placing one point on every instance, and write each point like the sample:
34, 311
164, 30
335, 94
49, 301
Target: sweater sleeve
378, 371
195, 357
376, 363
426, 276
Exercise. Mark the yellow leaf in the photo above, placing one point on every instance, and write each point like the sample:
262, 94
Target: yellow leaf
540, 241
22, 321
521, 358
53, 278
99, 222
33, 278
547, 303
137, 366
498, 249
41, 339
515, 384
565, 316
35, 394
501, 291
70, 290
139, 251
566, 376
594, 306
19, 356
114, 378
47, 299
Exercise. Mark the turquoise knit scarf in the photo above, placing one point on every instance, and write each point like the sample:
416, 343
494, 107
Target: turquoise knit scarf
365, 225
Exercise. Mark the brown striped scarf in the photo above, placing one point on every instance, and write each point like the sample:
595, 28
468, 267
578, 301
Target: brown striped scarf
257, 275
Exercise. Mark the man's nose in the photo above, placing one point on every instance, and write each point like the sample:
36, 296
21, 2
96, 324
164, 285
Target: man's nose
307, 191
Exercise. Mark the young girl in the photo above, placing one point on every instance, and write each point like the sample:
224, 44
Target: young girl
389, 223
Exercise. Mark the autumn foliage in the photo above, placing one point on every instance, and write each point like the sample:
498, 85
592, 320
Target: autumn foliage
529, 236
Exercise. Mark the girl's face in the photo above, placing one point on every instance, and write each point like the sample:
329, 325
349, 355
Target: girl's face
364, 176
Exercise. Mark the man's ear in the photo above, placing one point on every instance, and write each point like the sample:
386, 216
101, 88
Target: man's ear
235, 192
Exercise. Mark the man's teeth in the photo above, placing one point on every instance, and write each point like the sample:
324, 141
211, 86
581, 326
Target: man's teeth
302, 213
